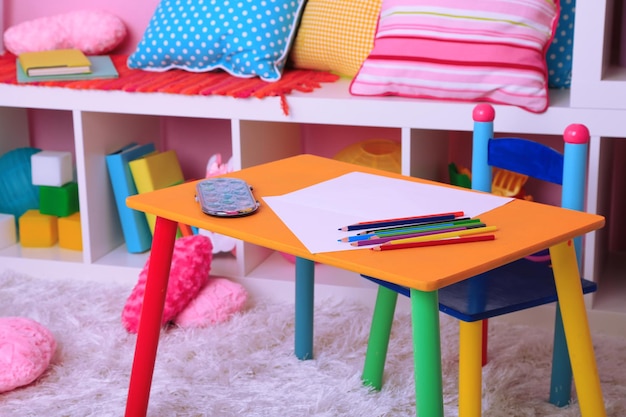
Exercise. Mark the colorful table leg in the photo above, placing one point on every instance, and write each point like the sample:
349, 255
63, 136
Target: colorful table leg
470, 368
150, 320
427, 353
378, 342
305, 295
577, 333
561, 378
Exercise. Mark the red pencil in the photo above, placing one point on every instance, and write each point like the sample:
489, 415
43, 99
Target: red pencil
448, 241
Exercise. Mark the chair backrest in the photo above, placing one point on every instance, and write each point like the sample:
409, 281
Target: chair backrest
531, 158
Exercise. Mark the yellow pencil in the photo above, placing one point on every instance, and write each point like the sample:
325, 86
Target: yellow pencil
444, 235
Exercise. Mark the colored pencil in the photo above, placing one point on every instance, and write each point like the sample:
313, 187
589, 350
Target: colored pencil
410, 229
447, 241
377, 240
424, 224
402, 220
444, 235
417, 227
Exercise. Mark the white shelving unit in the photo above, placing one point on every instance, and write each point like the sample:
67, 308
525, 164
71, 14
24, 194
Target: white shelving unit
259, 132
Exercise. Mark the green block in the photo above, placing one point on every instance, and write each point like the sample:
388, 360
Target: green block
58, 201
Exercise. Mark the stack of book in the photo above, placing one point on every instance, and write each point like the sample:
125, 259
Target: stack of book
62, 64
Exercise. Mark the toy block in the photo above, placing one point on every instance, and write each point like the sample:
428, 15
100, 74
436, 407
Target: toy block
38, 230
51, 168
70, 236
8, 232
58, 201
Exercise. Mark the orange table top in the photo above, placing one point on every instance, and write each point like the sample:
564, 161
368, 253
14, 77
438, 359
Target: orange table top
523, 227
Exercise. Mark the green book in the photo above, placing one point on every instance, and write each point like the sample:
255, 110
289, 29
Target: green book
101, 67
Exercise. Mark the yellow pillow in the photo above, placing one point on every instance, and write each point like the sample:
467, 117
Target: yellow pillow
335, 35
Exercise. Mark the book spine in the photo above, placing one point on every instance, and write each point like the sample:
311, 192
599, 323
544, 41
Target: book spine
134, 224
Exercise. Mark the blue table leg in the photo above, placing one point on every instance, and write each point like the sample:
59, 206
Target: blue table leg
427, 353
305, 291
561, 380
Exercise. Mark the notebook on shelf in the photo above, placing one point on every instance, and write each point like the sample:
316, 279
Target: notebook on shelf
101, 67
54, 62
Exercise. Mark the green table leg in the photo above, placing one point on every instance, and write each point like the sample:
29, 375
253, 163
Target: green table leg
378, 342
305, 292
427, 353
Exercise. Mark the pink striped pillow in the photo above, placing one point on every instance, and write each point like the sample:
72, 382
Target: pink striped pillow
478, 50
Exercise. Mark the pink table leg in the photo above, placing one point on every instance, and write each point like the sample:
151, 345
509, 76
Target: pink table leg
150, 320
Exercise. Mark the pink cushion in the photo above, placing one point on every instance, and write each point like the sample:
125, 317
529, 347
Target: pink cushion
218, 300
93, 32
191, 263
480, 50
26, 348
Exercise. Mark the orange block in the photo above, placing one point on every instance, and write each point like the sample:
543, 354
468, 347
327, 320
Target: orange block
38, 230
70, 235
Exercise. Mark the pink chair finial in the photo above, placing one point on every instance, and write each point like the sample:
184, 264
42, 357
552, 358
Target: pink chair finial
484, 113
576, 133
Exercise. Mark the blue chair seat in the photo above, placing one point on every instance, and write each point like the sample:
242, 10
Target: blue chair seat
513, 287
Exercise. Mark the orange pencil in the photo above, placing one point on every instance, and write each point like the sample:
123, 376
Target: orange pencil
448, 241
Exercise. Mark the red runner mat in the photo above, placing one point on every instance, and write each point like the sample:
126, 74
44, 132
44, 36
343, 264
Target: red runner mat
186, 83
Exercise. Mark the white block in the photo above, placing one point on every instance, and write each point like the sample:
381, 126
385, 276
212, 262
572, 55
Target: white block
8, 234
52, 168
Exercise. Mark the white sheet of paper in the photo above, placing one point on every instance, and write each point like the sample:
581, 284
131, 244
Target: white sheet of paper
314, 214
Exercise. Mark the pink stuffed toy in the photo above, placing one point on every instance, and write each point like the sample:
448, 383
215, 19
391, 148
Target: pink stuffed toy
93, 32
191, 263
217, 301
26, 349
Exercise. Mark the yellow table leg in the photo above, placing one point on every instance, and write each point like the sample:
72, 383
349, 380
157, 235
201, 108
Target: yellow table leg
470, 368
577, 334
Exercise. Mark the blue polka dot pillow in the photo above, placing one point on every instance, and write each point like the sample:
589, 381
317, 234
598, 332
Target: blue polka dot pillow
246, 38
559, 57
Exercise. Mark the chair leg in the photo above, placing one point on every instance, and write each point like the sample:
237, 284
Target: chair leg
561, 381
485, 356
376, 354
470, 368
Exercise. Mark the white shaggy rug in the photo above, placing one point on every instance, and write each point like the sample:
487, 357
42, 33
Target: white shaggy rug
246, 367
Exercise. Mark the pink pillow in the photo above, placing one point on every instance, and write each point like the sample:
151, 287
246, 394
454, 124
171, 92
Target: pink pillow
26, 348
93, 32
218, 300
191, 263
479, 50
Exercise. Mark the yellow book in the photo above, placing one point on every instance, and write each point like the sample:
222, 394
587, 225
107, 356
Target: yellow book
155, 171
54, 62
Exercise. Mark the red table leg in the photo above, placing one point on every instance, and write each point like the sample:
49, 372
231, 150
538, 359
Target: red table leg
150, 320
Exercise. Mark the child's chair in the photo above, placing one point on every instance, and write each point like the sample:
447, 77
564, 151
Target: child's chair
516, 286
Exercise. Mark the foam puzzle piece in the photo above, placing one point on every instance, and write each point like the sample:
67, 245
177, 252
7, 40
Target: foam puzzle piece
70, 232
95, 32
26, 350
53, 168
38, 230
8, 231
58, 201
